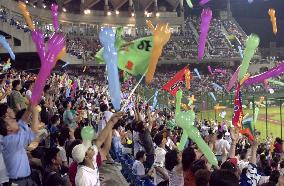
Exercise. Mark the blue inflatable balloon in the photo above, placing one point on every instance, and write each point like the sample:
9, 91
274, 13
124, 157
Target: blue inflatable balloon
197, 73
107, 39
68, 91
6, 45
216, 86
155, 100
213, 96
241, 51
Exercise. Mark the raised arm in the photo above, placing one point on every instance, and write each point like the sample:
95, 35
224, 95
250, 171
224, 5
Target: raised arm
235, 138
105, 132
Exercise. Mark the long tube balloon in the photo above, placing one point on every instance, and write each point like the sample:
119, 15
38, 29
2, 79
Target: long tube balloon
210, 70
6, 45
216, 86
203, 2
197, 73
276, 82
161, 35
265, 75
107, 38
48, 57
155, 100
178, 100
185, 120
251, 45
212, 96
187, 75
189, 3
241, 51
233, 79
54, 15
271, 13
26, 14
206, 17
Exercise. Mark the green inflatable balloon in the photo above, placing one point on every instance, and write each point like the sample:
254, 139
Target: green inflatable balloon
87, 133
134, 56
178, 100
251, 45
256, 111
186, 121
276, 82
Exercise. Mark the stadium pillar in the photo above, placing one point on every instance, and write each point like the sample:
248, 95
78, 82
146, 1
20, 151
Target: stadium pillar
155, 6
280, 102
266, 105
253, 107
106, 7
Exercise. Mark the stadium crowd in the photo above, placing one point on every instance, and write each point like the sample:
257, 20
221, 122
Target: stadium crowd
138, 146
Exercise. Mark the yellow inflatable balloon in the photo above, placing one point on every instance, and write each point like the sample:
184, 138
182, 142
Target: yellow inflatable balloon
161, 35
61, 54
219, 107
26, 14
271, 13
187, 78
244, 79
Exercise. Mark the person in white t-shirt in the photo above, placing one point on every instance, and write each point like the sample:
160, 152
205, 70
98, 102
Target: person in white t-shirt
105, 117
85, 155
138, 167
222, 147
161, 177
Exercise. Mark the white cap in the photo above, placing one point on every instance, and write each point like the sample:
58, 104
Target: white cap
79, 152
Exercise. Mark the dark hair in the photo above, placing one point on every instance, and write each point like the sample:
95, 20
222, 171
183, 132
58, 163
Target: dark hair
54, 118
270, 183
197, 165
50, 155
158, 139
3, 109
77, 133
282, 164
188, 157
223, 178
279, 140
15, 83
103, 107
243, 154
65, 103
71, 146
171, 159
229, 166
274, 176
202, 177
140, 154
3, 127
219, 135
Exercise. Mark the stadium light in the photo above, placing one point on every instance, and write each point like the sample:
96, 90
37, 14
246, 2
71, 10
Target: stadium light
157, 14
132, 14
146, 13
34, 6
27, 2
64, 9
87, 11
109, 13
116, 12
43, 5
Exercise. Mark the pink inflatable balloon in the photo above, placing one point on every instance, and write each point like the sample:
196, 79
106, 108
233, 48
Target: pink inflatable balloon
265, 75
54, 14
266, 85
218, 70
233, 80
210, 70
203, 2
206, 17
74, 87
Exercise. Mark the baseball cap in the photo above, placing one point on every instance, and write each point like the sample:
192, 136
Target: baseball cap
79, 152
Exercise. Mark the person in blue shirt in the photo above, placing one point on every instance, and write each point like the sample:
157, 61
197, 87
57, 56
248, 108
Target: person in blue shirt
17, 135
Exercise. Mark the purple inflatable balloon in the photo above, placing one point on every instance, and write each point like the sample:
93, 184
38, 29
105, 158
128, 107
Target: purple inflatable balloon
54, 14
233, 80
203, 2
265, 75
206, 17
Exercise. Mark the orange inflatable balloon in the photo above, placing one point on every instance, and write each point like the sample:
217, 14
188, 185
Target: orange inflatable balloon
61, 54
161, 35
244, 79
218, 107
187, 78
271, 13
26, 14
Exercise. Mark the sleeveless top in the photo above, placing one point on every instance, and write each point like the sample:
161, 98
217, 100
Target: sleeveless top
176, 178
